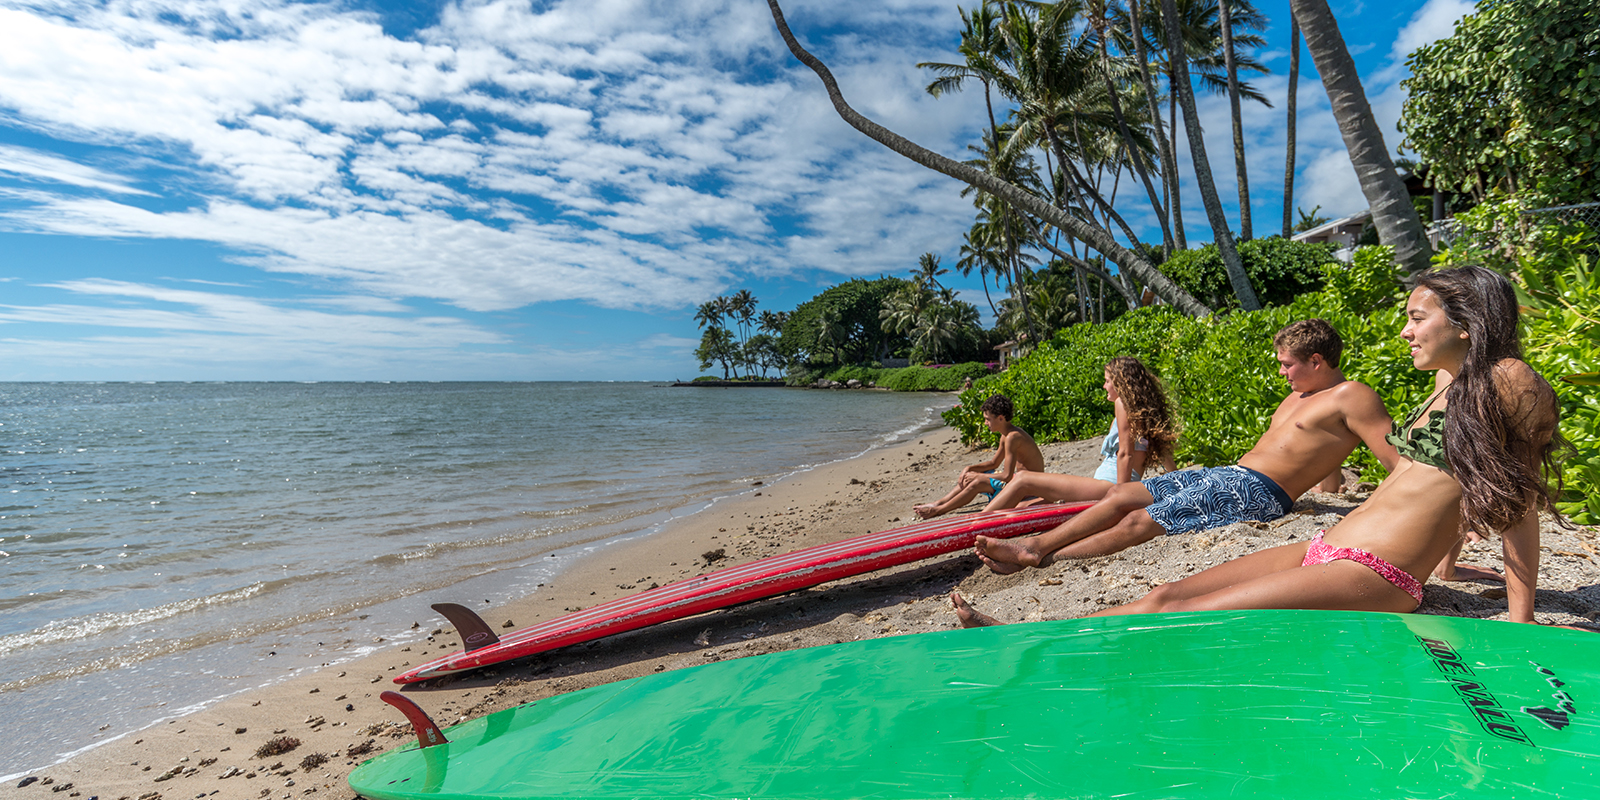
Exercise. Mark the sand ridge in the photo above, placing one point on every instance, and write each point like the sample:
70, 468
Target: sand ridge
338, 720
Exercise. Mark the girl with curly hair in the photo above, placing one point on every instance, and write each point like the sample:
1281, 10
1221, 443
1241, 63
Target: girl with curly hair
1142, 432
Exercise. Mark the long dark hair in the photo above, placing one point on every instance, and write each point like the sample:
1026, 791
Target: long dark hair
1149, 416
1500, 436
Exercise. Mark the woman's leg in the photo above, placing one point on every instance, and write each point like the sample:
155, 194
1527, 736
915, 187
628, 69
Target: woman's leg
1052, 486
1274, 578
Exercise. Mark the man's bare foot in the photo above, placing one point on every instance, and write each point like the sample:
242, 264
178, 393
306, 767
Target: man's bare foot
926, 510
970, 617
1005, 556
1467, 572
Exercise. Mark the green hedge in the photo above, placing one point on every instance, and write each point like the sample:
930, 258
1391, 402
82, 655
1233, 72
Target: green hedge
913, 379
1221, 372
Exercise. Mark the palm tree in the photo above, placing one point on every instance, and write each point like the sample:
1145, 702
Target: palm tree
976, 254
831, 333
1288, 140
773, 321
1396, 219
709, 313
1201, 31
905, 307
943, 325
1238, 127
980, 46
1202, 166
928, 270
744, 308
1115, 75
1023, 201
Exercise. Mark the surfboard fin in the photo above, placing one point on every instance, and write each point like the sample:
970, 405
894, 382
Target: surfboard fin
474, 631
428, 734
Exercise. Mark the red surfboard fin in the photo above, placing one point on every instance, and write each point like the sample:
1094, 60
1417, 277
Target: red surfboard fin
428, 734
474, 631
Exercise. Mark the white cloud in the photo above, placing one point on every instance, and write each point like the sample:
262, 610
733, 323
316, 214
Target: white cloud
34, 164
1434, 21
626, 153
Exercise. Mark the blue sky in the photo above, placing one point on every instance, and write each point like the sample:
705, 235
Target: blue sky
269, 190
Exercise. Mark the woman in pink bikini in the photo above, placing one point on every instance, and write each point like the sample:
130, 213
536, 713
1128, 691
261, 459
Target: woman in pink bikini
1475, 455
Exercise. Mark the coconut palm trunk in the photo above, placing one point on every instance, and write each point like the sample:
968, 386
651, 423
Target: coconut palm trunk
1202, 166
1288, 139
1238, 126
1396, 219
1169, 169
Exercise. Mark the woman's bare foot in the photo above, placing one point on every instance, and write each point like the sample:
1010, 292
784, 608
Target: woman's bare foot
1005, 556
1467, 572
970, 617
927, 510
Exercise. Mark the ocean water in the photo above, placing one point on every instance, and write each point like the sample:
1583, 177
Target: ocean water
168, 544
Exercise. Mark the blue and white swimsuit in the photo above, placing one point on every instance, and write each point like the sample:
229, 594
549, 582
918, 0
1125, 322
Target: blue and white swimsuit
1192, 500
1107, 471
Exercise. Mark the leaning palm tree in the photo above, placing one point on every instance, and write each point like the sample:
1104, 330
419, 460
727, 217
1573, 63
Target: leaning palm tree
1084, 230
1392, 213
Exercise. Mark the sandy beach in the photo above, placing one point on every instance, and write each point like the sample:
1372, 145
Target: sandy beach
338, 720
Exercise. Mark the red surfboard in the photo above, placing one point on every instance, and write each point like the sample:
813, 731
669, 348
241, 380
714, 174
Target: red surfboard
728, 587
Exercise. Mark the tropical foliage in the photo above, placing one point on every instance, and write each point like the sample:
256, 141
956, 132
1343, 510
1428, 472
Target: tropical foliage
1559, 289
742, 347
1511, 101
1057, 389
1280, 269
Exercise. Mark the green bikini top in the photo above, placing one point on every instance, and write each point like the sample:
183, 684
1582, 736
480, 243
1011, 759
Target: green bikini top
1424, 443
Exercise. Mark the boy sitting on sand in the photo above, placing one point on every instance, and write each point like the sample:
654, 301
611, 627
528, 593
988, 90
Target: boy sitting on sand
1017, 451
1312, 432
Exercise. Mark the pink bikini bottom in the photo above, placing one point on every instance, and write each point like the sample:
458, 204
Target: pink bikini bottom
1321, 553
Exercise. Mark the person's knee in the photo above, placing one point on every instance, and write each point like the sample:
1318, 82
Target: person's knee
1128, 497
1162, 599
1141, 526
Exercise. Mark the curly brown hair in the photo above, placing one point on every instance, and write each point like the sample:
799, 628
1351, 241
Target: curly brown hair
1149, 414
1500, 436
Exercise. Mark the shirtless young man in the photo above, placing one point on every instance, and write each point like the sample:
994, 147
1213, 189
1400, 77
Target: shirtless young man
1314, 429
1017, 452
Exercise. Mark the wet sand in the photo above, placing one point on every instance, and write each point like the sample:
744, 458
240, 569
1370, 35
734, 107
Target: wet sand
338, 720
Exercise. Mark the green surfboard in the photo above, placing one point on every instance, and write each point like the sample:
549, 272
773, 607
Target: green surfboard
1283, 704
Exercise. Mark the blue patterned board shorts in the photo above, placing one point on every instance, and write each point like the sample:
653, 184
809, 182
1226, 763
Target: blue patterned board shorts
1197, 499
995, 485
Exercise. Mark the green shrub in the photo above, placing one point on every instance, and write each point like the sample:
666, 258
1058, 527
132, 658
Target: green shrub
1280, 269
1220, 373
1561, 290
932, 379
1057, 389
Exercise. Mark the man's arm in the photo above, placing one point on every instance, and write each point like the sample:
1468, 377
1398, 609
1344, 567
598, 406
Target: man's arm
1366, 417
1521, 549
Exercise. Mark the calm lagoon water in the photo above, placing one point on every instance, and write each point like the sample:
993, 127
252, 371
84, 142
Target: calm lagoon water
169, 544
